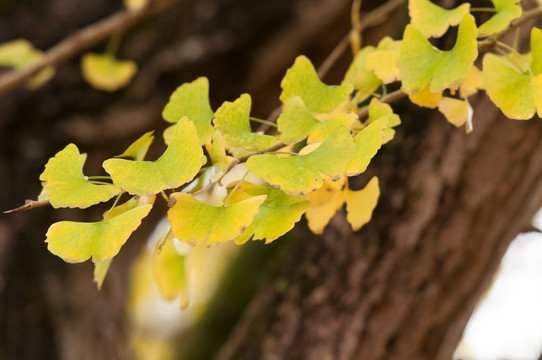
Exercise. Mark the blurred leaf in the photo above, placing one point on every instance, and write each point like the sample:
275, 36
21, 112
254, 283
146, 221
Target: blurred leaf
432, 20
21, 53
361, 203
507, 10
324, 203
104, 72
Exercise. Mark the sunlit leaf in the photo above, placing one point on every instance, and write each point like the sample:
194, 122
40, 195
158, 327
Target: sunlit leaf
457, 112
472, 83
138, 149
105, 72
377, 111
66, 186
421, 64
178, 164
192, 100
324, 203
383, 61
368, 141
536, 51
135, 4
297, 175
168, 270
363, 79
425, 98
21, 53
361, 203
77, 242
301, 80
431, 19
193, 221
233, 119
100, 271
506, 11
277, 214
295, 122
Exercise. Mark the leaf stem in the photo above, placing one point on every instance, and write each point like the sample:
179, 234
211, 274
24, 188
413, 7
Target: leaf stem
483, 9
114, 204
234, 189
98, 178
261, 121
113, 44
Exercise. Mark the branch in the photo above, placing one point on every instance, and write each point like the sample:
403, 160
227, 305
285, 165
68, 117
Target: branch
29, 205
82, 40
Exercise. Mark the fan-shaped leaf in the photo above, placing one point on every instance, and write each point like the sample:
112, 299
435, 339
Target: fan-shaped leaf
361, 203
301, 80
431, 19
138, 149
383, 61
233, 119
457, 112
77, 242
178, 164
363, 79
104, 72
66, 186
421, 64
193, 221
295, 122
20, 53
324, 203
507, 10
301, 174
368, 141
192, 100
425, 98
377, 111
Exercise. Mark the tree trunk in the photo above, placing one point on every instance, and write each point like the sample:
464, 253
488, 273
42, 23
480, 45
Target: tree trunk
401, 288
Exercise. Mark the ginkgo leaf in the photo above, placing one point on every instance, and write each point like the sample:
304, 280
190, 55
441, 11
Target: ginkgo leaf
168, 270
233, 119
76, 241
135, 4
178, 164
193, 221
471, 84
361, 203
506, 11
129, 205
536, 51
138, 149
192, 100
301, 174
431, 19
324, 203
295, 122
301, 80
457, 112
377, 111
421, 64
368, 141
383, 61
20, 53
277, 214
66, 186
517, 94
425, 98
104, 72
363, 79
100, 271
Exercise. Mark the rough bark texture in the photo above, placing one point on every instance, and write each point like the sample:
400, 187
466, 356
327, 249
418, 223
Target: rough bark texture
402, 288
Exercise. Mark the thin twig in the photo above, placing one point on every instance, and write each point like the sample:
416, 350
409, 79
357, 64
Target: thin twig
29, 205
82, 40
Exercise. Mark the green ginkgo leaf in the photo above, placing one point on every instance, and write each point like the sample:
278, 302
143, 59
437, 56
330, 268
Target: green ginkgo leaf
104, 72
277, 215
138, 149
168, 270
20, 53
178, 164
383, 61
361, 203
506, 11
301, 80
536, 51
431, 19
368, 141
421, 64
300, 174
192, 100
76, 241
295, 122
193, 221
377, 111
363, 79
518, 94
65, 185
233, 119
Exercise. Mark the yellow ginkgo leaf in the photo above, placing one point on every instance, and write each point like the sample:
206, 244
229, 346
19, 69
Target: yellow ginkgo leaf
301, 174
168, 269
100, 270
368, 141
193, 221
457, 112
21, 53
471, 84
324, 203
377, 111
138, 149
363, 79
431, 19
506, 11
105, 72
425, 98
361, 203
383, 60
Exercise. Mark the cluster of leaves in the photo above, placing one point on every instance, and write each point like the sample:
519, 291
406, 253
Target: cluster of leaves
224, 182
